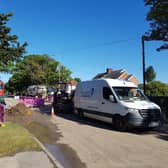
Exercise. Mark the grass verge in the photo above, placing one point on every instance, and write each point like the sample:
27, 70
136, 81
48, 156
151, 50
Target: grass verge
14, 139
40, 131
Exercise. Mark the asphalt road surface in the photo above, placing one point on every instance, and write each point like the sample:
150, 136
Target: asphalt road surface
98, 145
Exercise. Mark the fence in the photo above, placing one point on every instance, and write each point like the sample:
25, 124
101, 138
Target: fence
32, 101
162, 101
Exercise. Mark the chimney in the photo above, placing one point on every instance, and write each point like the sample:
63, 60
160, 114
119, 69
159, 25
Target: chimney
109, 70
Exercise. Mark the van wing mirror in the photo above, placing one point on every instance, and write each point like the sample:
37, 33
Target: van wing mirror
112, 99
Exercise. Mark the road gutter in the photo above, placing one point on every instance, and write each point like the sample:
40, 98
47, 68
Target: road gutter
49, 154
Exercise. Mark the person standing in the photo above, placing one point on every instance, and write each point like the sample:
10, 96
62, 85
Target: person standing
2, 113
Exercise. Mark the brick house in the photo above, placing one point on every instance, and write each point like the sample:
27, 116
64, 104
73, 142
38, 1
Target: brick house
121, 74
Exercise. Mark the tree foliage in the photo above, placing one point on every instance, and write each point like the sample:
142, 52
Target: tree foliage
37, 70
157, 88
77, 79
150, 74
158, 19
10, 49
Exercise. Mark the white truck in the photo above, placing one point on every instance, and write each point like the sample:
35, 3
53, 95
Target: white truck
36, 90
118, 102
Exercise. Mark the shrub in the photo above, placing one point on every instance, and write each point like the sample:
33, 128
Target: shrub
157, 88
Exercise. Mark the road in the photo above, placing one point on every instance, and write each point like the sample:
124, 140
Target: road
88, 143
98, 145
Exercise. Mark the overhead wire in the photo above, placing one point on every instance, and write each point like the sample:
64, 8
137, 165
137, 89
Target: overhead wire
98, 45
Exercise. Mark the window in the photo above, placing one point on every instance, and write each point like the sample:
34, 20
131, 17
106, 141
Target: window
129, 93
106, 92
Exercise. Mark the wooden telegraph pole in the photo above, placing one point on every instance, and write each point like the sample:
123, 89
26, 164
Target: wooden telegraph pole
143, 62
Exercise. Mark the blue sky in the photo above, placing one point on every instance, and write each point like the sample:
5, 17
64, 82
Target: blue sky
87, 36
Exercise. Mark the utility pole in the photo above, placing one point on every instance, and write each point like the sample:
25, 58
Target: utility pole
143, 62
59, 72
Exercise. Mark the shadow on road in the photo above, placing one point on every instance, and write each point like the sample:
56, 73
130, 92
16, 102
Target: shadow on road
161, 132
73, 117
46, 109
87, 121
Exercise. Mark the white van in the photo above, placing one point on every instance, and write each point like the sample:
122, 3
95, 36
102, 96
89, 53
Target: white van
117, 101
35, 90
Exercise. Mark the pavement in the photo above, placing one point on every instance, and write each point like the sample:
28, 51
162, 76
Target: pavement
31, 159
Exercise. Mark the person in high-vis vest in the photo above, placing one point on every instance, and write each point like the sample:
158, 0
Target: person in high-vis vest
2, 114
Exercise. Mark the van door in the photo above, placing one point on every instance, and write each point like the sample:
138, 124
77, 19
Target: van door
109, 104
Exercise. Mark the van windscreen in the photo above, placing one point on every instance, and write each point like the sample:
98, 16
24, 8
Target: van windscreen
129, 93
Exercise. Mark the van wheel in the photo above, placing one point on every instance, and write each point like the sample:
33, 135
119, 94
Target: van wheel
120, 123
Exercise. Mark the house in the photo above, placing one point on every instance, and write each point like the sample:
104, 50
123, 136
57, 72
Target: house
121, 74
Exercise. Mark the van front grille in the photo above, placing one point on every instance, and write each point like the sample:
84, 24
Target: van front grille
152, 114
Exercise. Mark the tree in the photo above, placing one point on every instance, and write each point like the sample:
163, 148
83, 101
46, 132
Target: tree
140, 86
64, 74
10, 49
37, 70
77, 79
158, 19
157, 88
17, 83
150, 74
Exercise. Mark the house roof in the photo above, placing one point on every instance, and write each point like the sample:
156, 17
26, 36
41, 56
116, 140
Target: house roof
112, 74
129, 77
117, 74
99, 75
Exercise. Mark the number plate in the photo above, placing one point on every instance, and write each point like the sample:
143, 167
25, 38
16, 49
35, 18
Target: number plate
153, 124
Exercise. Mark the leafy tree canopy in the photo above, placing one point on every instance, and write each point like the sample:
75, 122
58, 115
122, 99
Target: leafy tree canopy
10, 49
157, 88
77, 79
150, 74
158, 19
37, 70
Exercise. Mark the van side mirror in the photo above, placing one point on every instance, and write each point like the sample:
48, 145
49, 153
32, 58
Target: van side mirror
112, 99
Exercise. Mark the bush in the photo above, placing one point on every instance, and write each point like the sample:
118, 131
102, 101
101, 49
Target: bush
157, 88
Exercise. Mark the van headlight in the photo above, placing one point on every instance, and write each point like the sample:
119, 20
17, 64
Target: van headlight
132, 110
